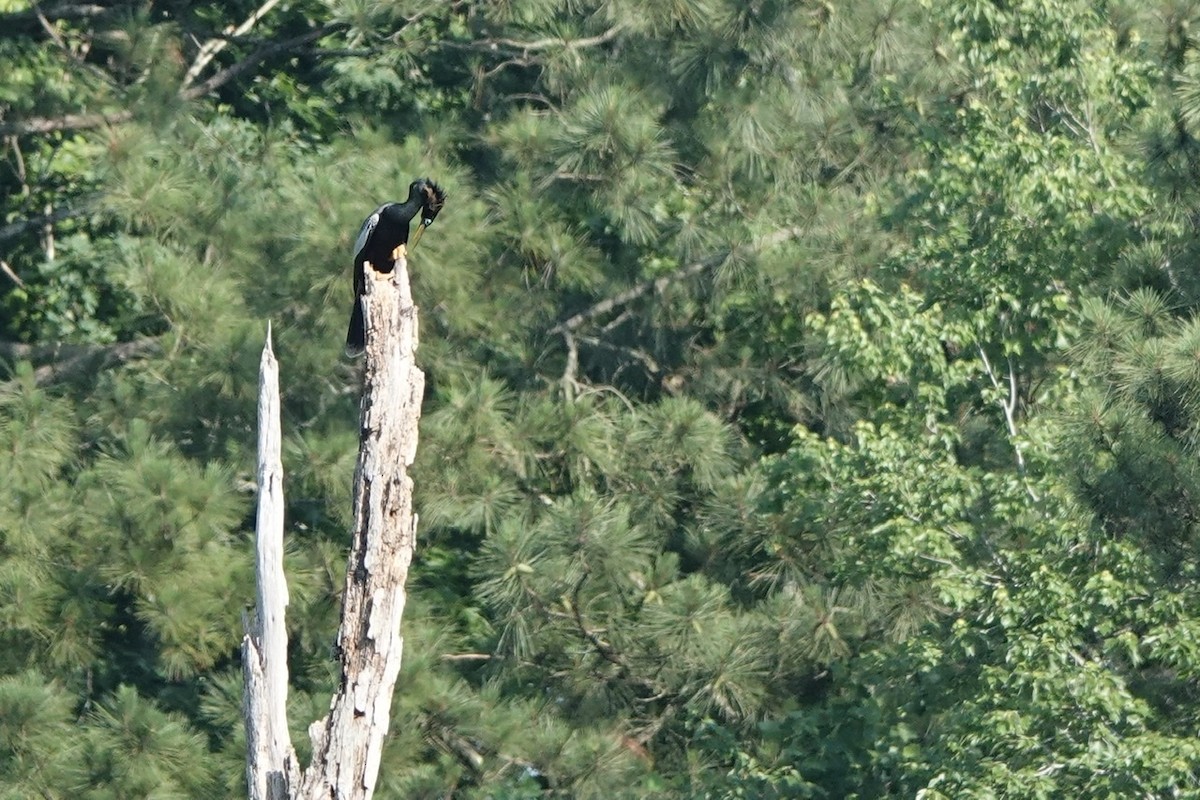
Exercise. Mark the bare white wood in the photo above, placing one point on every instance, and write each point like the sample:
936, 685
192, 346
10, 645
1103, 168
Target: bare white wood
271, 762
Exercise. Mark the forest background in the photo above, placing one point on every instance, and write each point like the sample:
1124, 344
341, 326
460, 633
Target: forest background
813, 393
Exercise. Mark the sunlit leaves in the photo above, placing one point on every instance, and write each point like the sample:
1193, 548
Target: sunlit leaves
1027, 192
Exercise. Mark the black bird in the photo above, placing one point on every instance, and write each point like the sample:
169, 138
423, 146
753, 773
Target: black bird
381, 235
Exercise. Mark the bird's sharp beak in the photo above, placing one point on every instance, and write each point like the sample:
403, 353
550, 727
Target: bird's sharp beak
416, 236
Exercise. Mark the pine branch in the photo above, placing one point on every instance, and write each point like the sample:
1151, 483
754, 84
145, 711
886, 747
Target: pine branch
637, 354
656, 285
14, 229
555, 41
603, 649
210, 49
659, 284
67, 122
262, 54
606, 651
647, 733
52, 33
69, 362
74, 122
7, 269
472, 754
20, 23
525, 48
466, 656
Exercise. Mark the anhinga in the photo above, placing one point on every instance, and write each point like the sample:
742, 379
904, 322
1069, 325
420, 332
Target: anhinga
381, 240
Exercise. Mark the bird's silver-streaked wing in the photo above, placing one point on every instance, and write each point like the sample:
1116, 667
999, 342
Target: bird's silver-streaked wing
364, 232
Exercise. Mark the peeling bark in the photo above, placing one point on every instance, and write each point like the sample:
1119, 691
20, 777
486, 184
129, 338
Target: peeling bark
348, 743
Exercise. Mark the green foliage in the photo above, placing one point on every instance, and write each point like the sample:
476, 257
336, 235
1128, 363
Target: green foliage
1027, 194
812, 410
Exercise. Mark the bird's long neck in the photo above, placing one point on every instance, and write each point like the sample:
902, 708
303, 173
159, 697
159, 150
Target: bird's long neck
412, 206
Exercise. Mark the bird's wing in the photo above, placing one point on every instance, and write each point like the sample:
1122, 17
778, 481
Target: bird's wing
364, 232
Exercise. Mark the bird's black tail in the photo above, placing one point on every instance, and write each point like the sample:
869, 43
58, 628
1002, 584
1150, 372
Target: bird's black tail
356, 335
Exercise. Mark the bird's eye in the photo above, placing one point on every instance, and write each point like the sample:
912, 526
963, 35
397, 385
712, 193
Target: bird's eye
428, 221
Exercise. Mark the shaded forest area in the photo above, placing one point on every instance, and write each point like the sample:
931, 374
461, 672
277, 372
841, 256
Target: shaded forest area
813, 399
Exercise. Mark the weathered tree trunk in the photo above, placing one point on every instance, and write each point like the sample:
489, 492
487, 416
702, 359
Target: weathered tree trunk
348, 743
271, 762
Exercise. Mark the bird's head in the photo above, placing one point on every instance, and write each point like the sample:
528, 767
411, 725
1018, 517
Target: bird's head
432, 198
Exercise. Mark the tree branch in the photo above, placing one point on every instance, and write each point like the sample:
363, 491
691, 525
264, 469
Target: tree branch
210, 49
642, 356
603, 649
1008, 406
568, 380
52, 33
466, 656
262, 54
14, 229
568, 44
36, 125
659, 284
471, 754
22, 22
7, 269
644, 288
67, 122
69, 362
